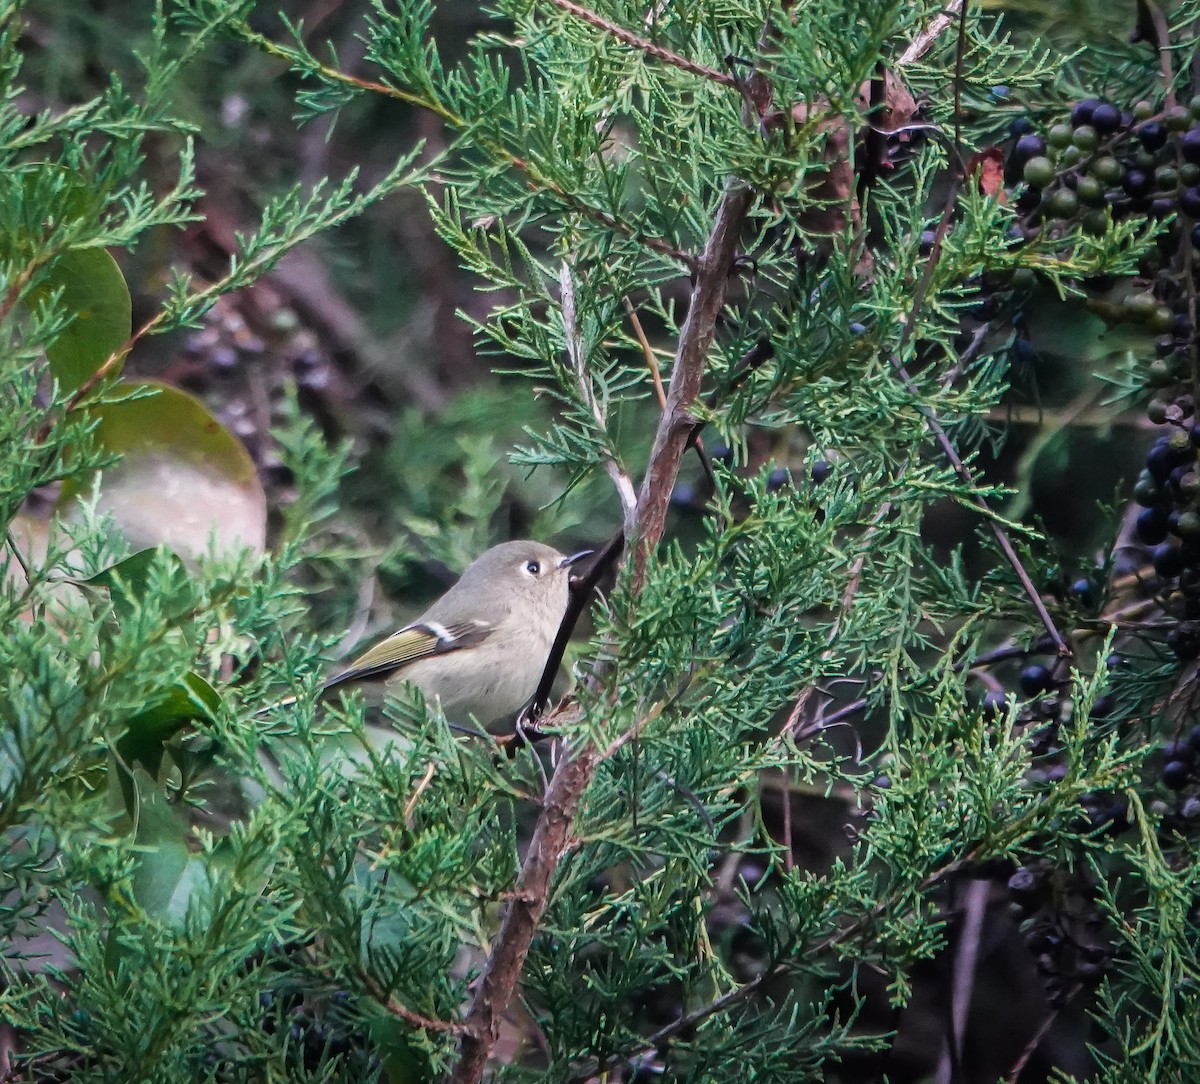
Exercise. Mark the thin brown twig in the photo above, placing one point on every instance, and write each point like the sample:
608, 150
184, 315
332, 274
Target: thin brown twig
409, 1016
647, 47
966, 960
676, 425
939, 433
575, 353
15, 550
522, 915
1031, 1047
647, 352
938, 25
411, 804
960, 52
848, 594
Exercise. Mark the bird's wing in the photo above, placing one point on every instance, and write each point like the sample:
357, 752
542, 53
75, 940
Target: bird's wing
410, 644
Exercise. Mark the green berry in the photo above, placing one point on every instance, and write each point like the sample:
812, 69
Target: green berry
1090, 190
1063, 203
1160, 373
1107, 169
1166, 179
1060, 136
1143, 110
1095, 222
1146, 492
1038, 172
1141, 306
1194, 107
1156, 411
1085, 137
1162, 320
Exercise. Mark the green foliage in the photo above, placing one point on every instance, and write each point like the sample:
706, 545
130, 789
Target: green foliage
234, 899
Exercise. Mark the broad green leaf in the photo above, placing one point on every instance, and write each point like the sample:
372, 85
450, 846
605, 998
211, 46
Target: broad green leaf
89, 287
183, 478
190, 698
169, 878
93, 292
129, 579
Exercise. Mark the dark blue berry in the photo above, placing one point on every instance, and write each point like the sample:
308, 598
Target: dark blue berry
1106, 118
1160, 461
1153, 135
1035, 679
1177, 750
1189, 145
1151, 526
1082, 113
1175, 774
683, 496
1184, 643
820, 471
1137, 183
1025, 888
1029, 146
1168, 561
994, 702
858, 329
778, 478
1189, 202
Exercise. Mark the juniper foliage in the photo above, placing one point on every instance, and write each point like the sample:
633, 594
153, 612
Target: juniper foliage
335, 926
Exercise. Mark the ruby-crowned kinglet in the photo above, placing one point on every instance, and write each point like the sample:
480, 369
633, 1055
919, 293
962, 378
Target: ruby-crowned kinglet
481, 648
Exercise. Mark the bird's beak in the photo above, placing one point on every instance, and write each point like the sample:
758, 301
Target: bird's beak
567, 562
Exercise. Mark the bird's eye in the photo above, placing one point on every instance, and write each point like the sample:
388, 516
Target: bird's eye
534, 568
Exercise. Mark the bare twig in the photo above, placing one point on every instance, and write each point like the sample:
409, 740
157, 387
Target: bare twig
647, 47
403, 1012
581, 595
938, 25
15, 550
676, 426
1031, 1047
524, 911
963, 982
647, 352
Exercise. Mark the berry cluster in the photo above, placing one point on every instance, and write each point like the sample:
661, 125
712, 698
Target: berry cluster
1180, 770
1109, 161
1168, 489
1061, 925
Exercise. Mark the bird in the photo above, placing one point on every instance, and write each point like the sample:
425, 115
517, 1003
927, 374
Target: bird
479, 650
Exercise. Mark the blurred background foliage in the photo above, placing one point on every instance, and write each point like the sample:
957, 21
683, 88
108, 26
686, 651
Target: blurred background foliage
366, 320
